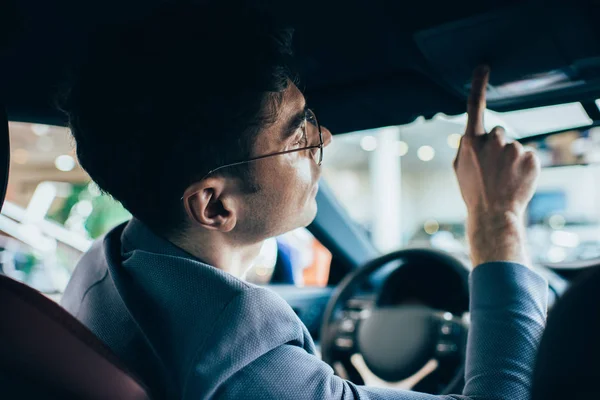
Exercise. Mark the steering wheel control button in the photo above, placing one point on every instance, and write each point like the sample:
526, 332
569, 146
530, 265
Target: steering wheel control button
347, 326
344, 343
450, 329
446, 348
447, 329
358, 315
360, 303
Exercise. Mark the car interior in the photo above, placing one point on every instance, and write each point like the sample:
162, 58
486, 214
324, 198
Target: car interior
375, 73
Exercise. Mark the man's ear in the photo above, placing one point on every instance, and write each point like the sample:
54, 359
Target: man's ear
210, 206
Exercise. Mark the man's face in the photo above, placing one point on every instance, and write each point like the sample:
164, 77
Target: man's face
288, 182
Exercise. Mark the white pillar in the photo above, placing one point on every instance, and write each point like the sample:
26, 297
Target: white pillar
40, 202
384, 167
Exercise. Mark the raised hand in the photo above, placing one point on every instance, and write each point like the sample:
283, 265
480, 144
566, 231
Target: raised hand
497, 180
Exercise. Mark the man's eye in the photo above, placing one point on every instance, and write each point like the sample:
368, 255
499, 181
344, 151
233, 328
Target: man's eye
303, 139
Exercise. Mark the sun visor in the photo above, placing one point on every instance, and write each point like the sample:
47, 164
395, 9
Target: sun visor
529, 51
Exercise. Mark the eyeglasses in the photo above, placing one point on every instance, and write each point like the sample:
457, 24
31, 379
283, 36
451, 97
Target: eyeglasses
312, 134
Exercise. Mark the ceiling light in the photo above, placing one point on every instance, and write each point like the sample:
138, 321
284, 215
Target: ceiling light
401, 148
262, 271
557, 221
45, 143
454, 140
368, 143
532, 84
20, 156
40, 130
556, 254
64, 163
431, 226
565, 239
84, 208
94, 190
426, 153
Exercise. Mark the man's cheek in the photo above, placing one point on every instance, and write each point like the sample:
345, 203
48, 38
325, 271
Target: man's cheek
306, 174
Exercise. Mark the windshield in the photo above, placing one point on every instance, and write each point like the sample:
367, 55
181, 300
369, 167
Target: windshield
398, 184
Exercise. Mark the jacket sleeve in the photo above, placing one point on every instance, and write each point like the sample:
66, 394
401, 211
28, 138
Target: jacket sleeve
260, 350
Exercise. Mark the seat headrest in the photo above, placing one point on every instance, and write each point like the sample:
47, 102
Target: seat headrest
567, 365
43, 344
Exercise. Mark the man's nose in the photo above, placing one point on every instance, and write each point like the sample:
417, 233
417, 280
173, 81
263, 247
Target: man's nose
327, 136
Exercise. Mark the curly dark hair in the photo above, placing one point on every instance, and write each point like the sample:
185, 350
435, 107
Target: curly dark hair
160, 102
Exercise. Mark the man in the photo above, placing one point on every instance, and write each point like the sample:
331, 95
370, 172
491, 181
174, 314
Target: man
195, 124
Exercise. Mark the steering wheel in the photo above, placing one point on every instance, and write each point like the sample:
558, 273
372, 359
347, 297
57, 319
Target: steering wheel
396, 341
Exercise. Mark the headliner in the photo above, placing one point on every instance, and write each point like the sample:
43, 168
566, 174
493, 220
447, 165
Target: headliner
363, 64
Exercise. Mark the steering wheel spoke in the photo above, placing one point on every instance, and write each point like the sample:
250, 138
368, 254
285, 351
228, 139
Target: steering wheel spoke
452, 336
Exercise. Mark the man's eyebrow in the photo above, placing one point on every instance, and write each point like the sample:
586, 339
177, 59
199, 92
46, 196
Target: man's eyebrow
294, 123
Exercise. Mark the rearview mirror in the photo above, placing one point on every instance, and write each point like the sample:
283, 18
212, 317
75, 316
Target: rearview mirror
573, 147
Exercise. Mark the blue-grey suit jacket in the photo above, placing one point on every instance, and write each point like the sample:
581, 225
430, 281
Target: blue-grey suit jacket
191, 331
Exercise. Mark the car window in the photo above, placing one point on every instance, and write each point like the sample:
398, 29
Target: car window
53, 212
398, 185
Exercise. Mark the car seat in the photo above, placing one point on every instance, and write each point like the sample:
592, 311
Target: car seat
568, 362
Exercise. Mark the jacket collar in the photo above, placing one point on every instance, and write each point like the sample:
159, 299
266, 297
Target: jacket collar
138, 236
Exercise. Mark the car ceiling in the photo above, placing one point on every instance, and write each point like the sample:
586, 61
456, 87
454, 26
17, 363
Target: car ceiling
363, 64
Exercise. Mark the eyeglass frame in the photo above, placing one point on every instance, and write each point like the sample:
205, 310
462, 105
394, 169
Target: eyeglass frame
320, 146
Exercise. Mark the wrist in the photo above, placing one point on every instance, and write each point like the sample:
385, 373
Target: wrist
485, 222
497, 237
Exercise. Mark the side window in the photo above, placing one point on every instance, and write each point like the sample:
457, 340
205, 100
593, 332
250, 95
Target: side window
53, 213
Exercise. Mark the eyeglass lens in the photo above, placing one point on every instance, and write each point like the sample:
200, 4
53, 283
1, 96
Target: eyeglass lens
314, 135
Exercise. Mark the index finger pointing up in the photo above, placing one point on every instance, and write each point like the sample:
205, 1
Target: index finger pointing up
476, 103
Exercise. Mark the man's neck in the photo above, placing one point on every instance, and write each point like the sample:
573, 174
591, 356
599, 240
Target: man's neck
233, 258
